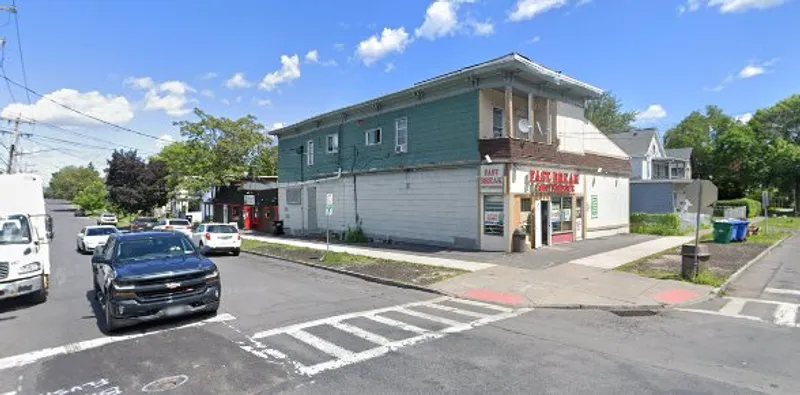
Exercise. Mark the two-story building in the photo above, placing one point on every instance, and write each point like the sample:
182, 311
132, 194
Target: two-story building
659, 176
461, 160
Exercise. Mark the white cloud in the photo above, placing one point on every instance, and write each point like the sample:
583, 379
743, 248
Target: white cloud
115, 109
209, 76
238, 81
481, 28
164, 141
264, 102
751, 71
754, 69
744, 118
276, 125
535, 40
374, 48
582, 3
207, 93
528, 9
440, 20
169, 96
312, 56
225, 101
730, 6
389, 67
290, 71
653, 113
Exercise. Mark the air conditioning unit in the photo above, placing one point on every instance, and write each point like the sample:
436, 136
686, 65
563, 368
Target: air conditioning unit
400, 149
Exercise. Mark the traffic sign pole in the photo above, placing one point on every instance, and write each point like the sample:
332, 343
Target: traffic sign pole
697, 230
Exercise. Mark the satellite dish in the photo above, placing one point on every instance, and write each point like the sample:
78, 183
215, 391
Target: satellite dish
524, 125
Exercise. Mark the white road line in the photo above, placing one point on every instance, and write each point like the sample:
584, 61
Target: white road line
321, 344
463, 312
782, 291
733, 307
719, 314
429, 317
342, 317
356, 331
484, 305
9, 393
34, 356
402, 325
786, 314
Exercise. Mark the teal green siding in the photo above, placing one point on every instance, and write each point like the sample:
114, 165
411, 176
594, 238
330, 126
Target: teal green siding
439, 132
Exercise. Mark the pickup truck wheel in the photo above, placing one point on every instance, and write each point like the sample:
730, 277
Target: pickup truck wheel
236, 252
111, 322
41, 295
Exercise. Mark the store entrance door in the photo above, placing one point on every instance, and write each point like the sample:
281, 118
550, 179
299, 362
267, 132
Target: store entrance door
544, 221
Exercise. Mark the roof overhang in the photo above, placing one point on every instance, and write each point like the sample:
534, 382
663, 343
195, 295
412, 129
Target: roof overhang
514, 64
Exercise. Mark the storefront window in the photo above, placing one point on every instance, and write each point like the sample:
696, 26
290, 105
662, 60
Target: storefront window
493, 215
561, 215
525, 214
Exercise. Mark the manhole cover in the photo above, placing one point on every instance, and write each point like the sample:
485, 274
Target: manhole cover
634, 313
165, 384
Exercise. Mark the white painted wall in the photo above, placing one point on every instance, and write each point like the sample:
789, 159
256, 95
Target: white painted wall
579, 135
430, 206
613, 204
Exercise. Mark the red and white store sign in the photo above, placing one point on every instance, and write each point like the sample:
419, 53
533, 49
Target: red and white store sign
492, 177
554, 181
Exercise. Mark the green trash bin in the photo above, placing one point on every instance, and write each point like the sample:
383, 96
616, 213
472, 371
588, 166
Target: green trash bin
723, 232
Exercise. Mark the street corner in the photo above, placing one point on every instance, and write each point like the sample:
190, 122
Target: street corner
678, 296
485, 295
188, 361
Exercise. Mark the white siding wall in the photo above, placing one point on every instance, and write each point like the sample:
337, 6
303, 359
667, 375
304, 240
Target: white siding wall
613, 194
571, 128
432, 206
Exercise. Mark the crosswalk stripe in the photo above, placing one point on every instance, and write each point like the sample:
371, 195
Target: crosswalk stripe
391, 322
323, 345
785, 314
782, 291
457, 310
429, 317
484, 305
356, 331
733, 307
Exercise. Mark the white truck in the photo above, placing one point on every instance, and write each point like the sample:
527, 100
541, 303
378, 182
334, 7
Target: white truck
25, 233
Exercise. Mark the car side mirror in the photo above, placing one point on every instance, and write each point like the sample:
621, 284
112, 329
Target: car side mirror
98, 258
80, 234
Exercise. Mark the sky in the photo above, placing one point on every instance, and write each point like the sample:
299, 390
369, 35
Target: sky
145, 64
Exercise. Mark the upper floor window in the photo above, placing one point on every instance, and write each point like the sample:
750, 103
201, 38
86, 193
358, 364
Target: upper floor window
332, 145
497, 122
372, 137
401, 135
310, 153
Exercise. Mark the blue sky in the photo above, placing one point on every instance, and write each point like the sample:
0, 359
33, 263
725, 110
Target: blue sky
144, 64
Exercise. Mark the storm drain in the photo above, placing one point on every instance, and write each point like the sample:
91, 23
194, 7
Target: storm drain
634, 313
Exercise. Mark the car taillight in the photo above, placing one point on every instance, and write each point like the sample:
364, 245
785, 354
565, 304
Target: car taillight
208, 236
238, 236
168, 227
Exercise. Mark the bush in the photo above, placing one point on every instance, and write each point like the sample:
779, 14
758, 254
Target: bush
355, 236
656, 224
753, 206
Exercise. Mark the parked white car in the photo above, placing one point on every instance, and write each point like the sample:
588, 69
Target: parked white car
92, 237
174, 225
217, 238
107, 219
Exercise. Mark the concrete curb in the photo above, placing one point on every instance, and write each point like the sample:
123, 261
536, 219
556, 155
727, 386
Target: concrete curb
722, 288
599, 307
366, 277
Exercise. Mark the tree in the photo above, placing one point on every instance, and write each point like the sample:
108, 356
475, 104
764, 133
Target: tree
779, 127
93, 196
698, 131
133, 185
68, 181
738, 162
607, 115
217, 151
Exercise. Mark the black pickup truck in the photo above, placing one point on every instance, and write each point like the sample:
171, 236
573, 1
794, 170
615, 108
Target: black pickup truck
152, 275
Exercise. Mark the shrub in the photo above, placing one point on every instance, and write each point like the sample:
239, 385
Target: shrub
355, 236
656, 224
753, 206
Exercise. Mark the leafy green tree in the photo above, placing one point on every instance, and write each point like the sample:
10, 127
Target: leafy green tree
779, 127
698, 131
133, 185
68, 181
738, 162
606, 114
93, 196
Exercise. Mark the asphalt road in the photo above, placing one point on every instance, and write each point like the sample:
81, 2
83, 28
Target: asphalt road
286, 328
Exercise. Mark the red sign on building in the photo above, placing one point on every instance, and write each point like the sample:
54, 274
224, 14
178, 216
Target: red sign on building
555, 182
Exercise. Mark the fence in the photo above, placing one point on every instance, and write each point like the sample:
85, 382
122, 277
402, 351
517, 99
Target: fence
731, 212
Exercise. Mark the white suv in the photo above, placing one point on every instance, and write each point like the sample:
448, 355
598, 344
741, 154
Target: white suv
217, 238
107, 219
174, 225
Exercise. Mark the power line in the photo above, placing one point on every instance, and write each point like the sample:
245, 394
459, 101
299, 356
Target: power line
71, 142
63, 129
60, 150
103, 121
19, 46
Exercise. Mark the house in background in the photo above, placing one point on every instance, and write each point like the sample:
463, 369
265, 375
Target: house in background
659, 176
251, 204
460, 160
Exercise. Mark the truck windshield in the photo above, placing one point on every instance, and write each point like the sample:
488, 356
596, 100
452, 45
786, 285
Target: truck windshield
154, 248
15, 229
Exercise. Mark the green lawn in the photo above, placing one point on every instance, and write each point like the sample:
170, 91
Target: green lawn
782, 223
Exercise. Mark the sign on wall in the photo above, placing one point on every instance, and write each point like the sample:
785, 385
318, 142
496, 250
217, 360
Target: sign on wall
552, 181
492, 178
329, 204
249, 200
594, 207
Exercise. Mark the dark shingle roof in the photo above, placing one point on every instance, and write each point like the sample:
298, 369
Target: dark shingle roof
634, 143
682, 153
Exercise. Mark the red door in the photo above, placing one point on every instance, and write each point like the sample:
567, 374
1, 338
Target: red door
248, 217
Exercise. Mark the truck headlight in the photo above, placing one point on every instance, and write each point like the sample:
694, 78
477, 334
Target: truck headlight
29, 268
212, 275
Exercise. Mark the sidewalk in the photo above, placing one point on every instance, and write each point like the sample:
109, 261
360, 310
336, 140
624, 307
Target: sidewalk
584, 282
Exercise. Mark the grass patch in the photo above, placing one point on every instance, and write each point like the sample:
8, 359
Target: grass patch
768, 238
406, 272
782, 223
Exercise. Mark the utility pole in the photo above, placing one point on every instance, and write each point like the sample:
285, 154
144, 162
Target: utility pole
14, 143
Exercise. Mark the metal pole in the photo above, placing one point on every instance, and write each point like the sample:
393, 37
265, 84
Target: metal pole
13, 147
327, 234
697, 228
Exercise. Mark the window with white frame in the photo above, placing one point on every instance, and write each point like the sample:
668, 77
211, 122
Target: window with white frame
372, 137
497, 122
401, 135
332, 143
310, 153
